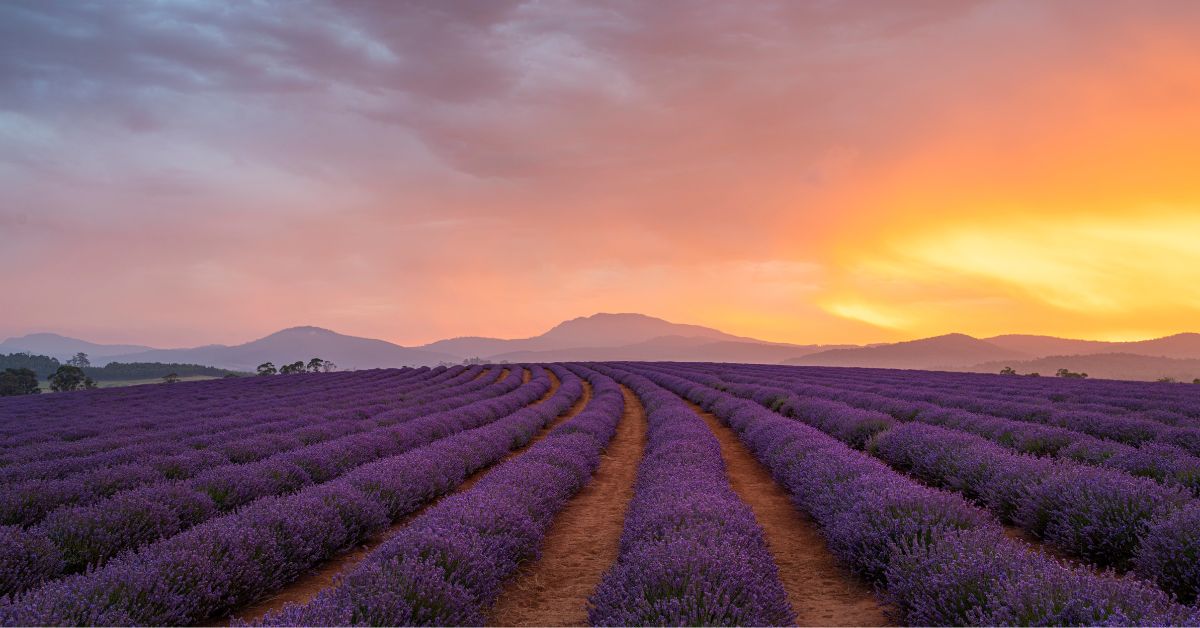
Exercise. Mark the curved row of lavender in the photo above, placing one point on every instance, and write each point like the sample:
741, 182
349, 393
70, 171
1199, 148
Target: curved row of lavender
1163, 463
230, 561
691, 551
447, 566
941, 560
72, 538
1130, 428
25, 498
1105, 516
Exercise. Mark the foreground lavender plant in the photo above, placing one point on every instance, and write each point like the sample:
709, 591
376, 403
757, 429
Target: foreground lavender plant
691, 551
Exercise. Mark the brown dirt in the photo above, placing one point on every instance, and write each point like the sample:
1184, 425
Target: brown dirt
822, 592
526, 375
582, 542
306, 587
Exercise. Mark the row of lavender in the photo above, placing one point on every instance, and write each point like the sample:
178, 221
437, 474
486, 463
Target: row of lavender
27, 498
185, 415
74, 537
1106, 516
234, 559
448, 565
691, 551
1161, 462
105, 414
941, 560
1017, 396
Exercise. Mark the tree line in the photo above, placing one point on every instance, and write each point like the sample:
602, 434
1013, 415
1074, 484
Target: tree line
22, 373
315, 365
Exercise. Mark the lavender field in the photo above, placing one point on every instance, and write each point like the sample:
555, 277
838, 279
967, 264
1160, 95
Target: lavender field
611, 493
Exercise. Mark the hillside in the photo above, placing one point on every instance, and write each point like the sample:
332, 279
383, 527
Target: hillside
1177, 346
939, 352
297, 343
586, 332
1102, 366
64, 347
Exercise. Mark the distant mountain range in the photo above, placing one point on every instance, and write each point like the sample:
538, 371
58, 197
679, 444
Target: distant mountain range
641, 337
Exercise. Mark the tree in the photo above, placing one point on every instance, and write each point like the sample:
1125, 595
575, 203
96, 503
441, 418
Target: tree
1069, 374
69, 377
1166, 380
1008, 370
19, 381
328, 367
81, 360
294, 367
1196, 381
170, 378
266, 368
315, 365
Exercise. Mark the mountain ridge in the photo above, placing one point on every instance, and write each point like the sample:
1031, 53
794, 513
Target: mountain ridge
632, 336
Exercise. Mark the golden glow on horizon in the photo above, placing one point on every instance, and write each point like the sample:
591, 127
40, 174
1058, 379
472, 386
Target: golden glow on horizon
997, 275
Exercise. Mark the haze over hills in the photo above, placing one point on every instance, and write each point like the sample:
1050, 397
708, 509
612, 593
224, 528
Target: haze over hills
640, 337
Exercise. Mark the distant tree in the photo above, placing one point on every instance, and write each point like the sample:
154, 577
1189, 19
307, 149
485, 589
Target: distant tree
1166, 380
170, 378
43, 365
266, 368
81, 360
1196, 381
328, 367
70, 377
1069, 375
19, 381
231, 376
315, 364
1008, 370
1033, 374
294, 367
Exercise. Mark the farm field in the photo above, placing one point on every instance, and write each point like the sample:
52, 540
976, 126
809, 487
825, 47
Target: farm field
607, 493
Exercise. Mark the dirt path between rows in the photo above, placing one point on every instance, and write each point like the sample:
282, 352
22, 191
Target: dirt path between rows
821, 591
582, 542
306, 587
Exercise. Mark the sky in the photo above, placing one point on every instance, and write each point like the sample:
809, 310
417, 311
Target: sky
188, 172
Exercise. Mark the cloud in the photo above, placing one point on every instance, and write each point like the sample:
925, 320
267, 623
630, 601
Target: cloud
213, 170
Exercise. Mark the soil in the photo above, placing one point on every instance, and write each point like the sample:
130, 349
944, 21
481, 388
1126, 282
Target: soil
821, 591
306, 587
582, 542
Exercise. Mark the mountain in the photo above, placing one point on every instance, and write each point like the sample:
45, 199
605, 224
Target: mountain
297, 343
939, 352
1102, 366
64, 347
670, 348
598, 330
1176, 346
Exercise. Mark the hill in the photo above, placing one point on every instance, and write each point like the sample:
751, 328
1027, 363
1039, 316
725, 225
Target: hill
297, 343
939, 352
1102, 366
1177, 346
64, 347
586, 332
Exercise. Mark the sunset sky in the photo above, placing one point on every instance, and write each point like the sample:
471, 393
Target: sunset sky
182, 173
